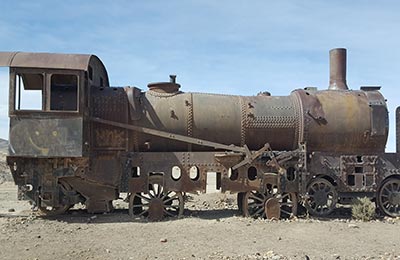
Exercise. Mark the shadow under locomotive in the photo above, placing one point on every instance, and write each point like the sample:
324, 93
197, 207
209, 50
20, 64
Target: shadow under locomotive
74, 139
121, 216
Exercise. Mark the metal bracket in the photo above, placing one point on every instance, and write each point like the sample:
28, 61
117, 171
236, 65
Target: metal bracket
250, 157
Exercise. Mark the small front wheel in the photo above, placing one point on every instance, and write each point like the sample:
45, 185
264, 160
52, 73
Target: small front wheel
322, 197
389, 197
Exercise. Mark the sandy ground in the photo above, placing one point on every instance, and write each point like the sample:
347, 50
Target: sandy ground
210, 229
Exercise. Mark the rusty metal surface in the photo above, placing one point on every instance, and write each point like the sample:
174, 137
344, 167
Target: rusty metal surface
342, 121
262, 119
272, 208
339, 121
164, 162
337, 69
45, 60
109, 104
165, 87
157, 144
44, 137
359, 173
56, 61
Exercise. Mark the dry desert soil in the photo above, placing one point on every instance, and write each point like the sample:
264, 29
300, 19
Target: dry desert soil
210, 229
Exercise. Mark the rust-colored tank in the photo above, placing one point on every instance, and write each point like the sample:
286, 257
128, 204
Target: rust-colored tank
333, 120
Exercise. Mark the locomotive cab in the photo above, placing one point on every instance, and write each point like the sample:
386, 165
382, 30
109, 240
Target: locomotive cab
47, 101
49, 138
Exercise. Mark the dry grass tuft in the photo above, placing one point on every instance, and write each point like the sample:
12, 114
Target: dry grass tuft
363, 209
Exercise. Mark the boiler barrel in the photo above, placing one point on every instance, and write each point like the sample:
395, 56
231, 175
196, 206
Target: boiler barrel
334, 121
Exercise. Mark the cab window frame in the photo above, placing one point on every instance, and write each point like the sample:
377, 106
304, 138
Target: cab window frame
46, 91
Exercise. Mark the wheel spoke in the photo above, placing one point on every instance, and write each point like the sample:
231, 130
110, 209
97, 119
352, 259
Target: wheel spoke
166, 195
172, 206
255, 204
259, 211
142, 213
140, 205
169, 213
285, 197
312, 188
159, 191
387, 190
142, 197
151, 194
171, 198
252, 196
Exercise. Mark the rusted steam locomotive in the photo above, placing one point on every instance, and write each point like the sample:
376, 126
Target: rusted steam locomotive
86, 142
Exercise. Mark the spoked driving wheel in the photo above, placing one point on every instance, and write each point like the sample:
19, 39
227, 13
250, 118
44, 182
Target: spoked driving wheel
157, 203
322, 197
389, 197
253, 204
271, 205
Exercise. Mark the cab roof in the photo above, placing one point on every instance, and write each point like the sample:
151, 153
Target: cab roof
53, 61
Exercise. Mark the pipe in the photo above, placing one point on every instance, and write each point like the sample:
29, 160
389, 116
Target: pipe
172, 79
337, 69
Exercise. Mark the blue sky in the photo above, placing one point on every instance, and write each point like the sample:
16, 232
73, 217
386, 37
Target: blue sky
235, 47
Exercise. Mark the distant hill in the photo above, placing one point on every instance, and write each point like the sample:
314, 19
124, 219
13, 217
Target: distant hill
3, 146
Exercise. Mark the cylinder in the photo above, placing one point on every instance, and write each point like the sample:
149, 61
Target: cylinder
225, 119
337, 69
327, 121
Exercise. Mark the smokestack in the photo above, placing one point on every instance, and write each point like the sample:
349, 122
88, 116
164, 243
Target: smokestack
337, 74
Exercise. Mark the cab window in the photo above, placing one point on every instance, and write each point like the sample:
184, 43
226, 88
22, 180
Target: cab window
64, 92
46, 91
29, 91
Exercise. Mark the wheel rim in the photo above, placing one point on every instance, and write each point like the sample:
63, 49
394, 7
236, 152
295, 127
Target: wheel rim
322, 197
50, 210
157, 203
254, 204
389, 197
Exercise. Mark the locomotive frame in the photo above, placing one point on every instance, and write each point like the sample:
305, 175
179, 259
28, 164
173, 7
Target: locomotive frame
86, 143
